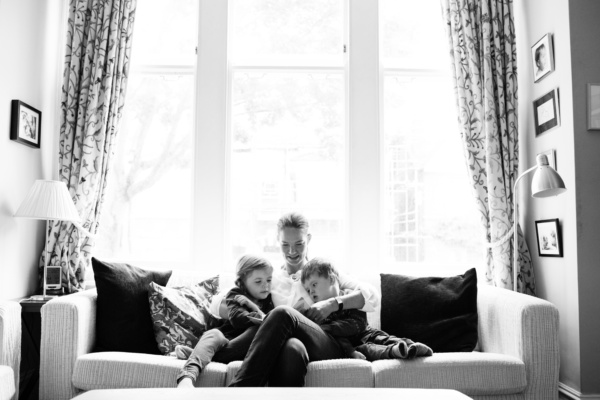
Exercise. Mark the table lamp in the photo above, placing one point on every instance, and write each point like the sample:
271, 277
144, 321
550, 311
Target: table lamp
546, 182
48, 200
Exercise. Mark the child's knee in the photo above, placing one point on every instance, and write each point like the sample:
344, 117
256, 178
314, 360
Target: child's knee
215, 336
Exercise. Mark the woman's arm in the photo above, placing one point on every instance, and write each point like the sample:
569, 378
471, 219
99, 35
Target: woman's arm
319, 311
370, 296
356, 295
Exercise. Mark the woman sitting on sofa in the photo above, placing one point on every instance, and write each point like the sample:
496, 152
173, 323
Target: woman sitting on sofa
287, 339
287, 362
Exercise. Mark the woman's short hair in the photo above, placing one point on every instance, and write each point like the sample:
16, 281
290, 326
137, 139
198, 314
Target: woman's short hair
292, 220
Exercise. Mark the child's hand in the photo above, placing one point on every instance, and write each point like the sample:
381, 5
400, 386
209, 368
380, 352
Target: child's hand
319, 311
358, 355
255, 320
246, 302
301, 306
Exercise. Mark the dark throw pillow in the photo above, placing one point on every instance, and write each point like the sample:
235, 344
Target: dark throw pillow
440, 312
123, 320
180, 315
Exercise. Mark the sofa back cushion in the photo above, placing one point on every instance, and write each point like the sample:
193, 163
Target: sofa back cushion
123, 320
440, 312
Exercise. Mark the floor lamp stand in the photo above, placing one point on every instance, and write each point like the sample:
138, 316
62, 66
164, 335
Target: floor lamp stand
516, 265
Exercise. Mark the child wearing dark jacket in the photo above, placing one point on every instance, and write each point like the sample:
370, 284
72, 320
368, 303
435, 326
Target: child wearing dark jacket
350, 327
247, 304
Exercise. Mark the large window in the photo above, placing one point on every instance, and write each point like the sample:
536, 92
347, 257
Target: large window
287, 128
428, 207
147, 213
240, 110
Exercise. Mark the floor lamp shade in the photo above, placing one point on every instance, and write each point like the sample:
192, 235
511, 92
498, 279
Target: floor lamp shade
546, 182
49, 200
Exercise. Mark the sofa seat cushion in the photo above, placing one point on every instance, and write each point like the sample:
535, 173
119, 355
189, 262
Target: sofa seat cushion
472, 373
110, 370
329, 373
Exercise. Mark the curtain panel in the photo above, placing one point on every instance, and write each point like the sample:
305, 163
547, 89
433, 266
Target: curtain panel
99, 35
481, 38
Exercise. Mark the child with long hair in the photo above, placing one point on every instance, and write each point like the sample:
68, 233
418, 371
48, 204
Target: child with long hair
247, 303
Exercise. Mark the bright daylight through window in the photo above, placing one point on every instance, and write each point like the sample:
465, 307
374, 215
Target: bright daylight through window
286, 92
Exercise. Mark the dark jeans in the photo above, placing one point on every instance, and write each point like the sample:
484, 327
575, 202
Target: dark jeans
272, 342
288, 368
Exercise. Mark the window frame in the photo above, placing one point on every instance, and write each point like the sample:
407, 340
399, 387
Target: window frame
363, 226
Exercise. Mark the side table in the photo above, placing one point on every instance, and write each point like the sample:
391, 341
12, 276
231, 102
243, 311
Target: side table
31, 324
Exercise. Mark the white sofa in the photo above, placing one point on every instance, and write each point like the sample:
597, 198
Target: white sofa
10, 349
517, 357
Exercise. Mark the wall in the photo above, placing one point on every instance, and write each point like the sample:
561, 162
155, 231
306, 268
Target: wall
585, 59
32, 46
568, 282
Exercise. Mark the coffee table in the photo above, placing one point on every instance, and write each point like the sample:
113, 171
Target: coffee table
226, 393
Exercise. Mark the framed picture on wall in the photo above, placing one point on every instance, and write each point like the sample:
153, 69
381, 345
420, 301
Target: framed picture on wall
25, 124
593, 101
542, 57
548, 238
546, 112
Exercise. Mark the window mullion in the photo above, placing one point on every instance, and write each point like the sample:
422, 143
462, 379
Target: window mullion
211, 154
364, 150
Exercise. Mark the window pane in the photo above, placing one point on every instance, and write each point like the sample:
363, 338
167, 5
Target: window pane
165, 32
412, 34
147, 212
428, 207
298, 31
287, 155
428, 203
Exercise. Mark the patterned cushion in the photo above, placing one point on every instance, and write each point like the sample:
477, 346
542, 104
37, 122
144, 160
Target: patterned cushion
180, 315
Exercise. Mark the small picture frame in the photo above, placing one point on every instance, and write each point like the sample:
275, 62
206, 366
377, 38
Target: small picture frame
542, 57
551, 155
593, 101
546, 112
548, 238
25, 124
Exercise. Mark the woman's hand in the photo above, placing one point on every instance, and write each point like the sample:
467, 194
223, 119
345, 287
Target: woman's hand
319, 311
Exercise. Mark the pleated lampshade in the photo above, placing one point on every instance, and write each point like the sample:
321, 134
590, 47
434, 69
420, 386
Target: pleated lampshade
49, 200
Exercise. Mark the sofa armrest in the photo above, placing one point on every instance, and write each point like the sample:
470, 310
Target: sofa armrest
68, 331
10, 340
525, 327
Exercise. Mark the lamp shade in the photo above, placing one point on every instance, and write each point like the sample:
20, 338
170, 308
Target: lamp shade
546, 181
48, 200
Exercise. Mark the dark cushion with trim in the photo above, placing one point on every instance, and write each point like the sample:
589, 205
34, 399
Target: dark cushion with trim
123, 320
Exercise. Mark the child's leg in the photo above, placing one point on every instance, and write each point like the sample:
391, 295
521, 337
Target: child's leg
210, 342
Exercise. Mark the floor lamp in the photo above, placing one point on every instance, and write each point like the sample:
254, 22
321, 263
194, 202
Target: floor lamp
546, 182
49, 200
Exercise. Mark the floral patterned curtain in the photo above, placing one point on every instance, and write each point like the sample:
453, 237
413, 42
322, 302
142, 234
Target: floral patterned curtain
95, 78
481, 35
